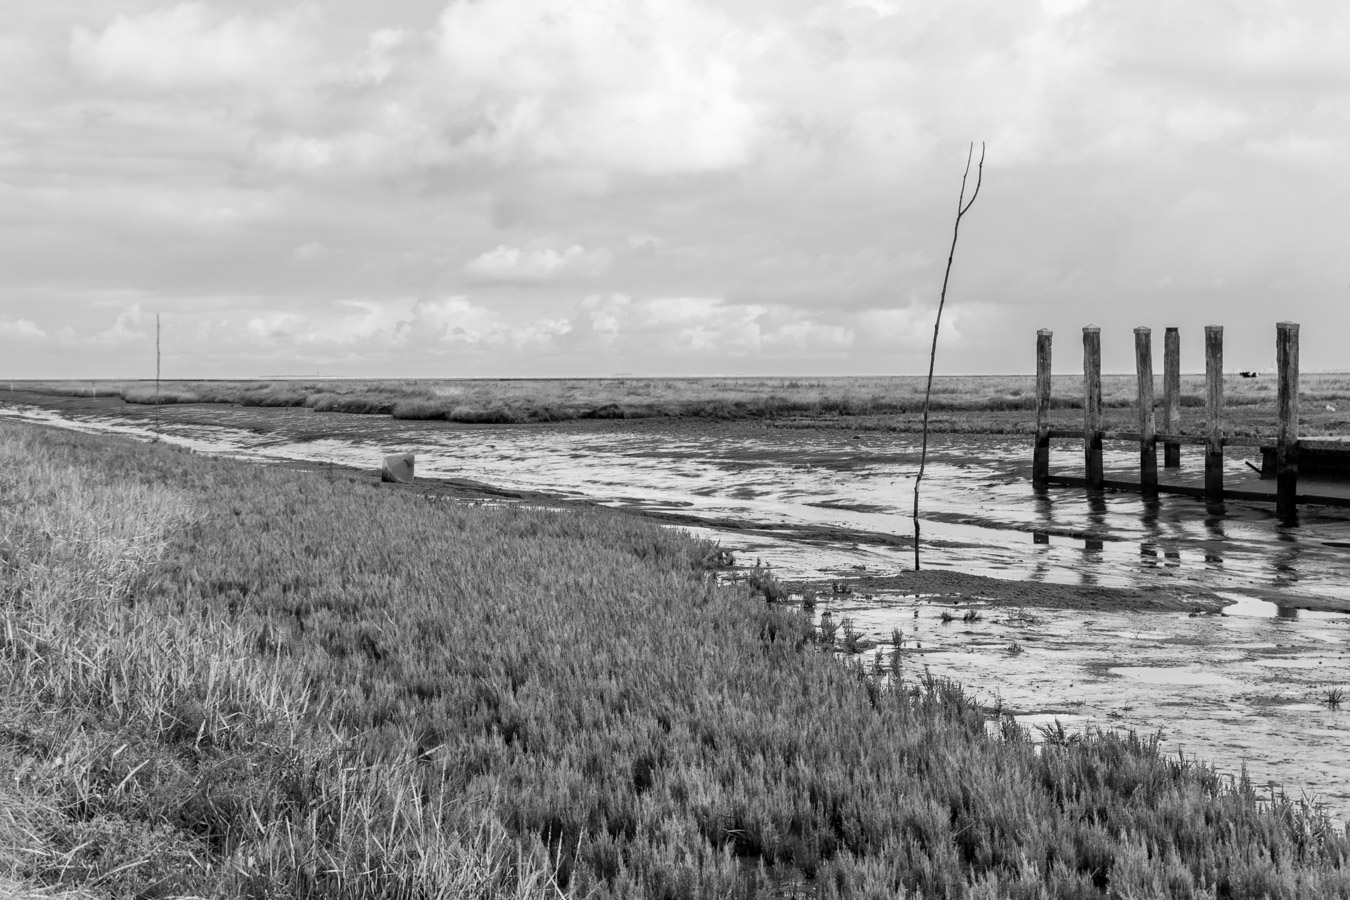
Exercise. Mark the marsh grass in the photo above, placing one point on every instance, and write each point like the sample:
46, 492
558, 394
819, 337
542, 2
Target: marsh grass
992, 402
156, 752
229, 681
762, 581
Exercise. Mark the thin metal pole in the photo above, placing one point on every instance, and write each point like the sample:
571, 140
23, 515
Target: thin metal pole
158, 433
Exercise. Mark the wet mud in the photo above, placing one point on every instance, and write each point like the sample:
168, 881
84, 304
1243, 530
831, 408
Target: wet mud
1217, 626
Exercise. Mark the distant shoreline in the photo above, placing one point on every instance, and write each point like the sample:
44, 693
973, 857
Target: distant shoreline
958, 404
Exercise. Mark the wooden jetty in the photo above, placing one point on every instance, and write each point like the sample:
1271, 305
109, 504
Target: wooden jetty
1327, 458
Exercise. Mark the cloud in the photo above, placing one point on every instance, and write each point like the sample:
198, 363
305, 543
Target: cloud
445, 323
129, 327
195, 45
275, 327
645, 86
535, 186
20, 330
544, 264
308, 251
379, 60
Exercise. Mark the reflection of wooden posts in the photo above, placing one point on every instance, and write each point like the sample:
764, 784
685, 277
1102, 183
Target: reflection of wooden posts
1092, 406
1148, 433
1040, 465
1213, 412
1286, 441
1171, 396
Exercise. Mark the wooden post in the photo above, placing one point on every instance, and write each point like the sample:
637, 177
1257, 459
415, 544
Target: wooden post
1286, 442
1171, 396
1148, 432
1040, 465
1092, 407
1214, 412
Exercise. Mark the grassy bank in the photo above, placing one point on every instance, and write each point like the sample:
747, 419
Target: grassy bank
223, 680
525, 401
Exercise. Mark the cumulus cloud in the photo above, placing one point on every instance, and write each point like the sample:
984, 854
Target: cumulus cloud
518, 264
20, 329
308, 251
129, 326
378, 61
443, 323
452, 319
650, 86
194, 45
668, 327
541, 185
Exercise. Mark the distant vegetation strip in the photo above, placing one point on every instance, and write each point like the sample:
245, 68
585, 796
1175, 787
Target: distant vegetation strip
232, 681
525, 401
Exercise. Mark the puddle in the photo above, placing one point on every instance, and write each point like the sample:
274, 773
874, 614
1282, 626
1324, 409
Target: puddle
1235, 691
1171, 675
1241, 688
1244, 605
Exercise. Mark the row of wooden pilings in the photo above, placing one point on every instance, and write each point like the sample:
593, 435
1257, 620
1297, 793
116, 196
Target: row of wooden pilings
1148, 435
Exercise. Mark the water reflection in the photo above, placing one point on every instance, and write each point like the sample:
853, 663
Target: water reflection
1215, 535
1096, 521
1148, 521
1285, 559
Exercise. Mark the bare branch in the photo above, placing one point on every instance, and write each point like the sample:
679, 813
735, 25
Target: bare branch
962, 207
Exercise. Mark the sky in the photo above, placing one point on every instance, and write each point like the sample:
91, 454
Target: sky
564, 188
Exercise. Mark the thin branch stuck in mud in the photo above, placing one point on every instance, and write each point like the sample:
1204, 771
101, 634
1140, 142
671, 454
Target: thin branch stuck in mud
962, 207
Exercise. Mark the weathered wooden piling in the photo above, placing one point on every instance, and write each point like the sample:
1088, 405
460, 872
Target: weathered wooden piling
1171, 396
1148, 432
1214, 412
1092, 406
1040, 464
1286, 440
1282, 458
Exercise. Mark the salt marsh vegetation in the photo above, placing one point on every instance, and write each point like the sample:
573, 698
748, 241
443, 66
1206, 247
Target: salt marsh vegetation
230, 681
997, 403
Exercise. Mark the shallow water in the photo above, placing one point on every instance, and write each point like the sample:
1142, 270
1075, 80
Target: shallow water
1235, 690
1246, 688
